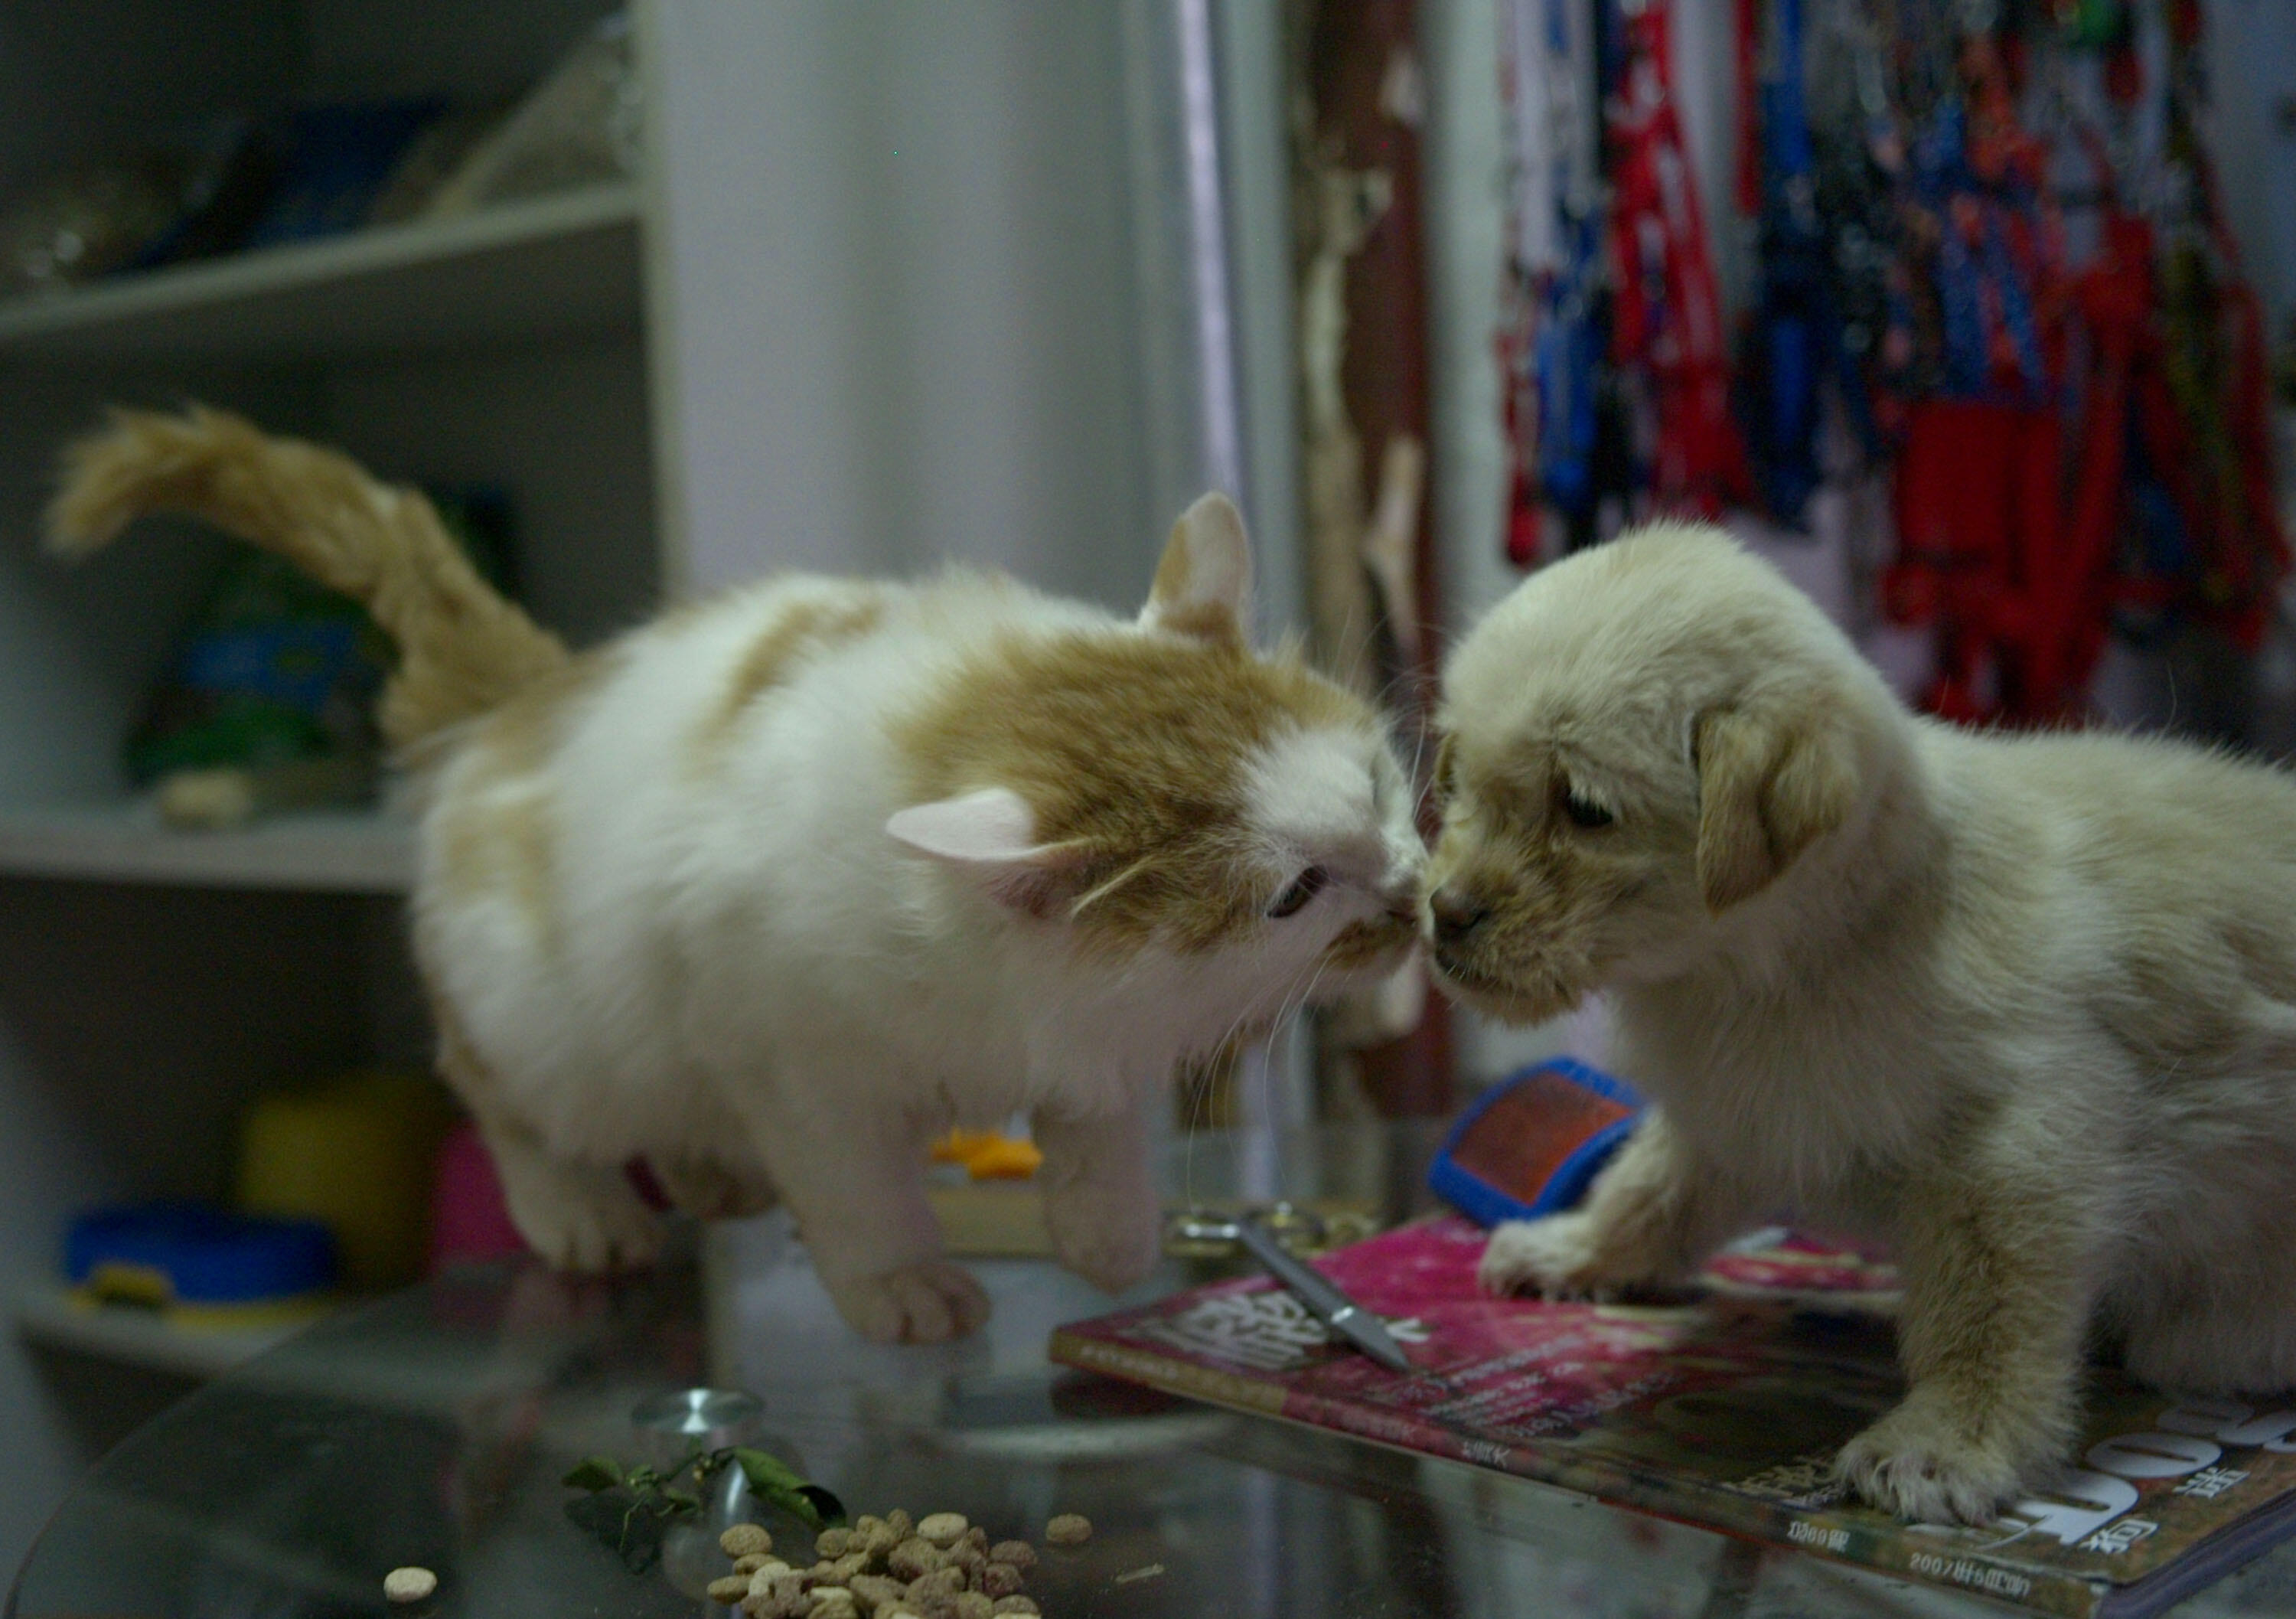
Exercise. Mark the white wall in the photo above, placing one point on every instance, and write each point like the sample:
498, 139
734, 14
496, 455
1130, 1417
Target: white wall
898, 285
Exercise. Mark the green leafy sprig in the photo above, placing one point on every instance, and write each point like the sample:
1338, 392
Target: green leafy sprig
629, 1508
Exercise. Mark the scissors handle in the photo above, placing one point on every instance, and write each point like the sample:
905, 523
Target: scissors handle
1323, 1297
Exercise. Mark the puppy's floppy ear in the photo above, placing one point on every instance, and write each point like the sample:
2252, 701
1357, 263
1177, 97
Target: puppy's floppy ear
1772, 780
1203, 583
990, 834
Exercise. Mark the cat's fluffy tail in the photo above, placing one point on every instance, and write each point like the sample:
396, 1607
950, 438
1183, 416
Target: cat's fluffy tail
463, 649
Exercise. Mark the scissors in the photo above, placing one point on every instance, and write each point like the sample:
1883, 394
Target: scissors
1314, 1290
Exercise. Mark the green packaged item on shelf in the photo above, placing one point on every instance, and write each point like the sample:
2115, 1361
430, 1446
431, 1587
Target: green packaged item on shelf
275, 669
268, 703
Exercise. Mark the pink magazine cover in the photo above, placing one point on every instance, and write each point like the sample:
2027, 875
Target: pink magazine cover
1723, 1410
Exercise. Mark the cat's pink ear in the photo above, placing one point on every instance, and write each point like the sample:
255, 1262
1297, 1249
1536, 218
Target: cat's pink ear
991, 834
1203, 585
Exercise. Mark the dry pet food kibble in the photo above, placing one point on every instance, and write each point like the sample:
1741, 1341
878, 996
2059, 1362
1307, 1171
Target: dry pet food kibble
1069, 1529
890, 1567
783, 1598
912, 1557
941, 1582
745, 1539
943, 1528
409, 1584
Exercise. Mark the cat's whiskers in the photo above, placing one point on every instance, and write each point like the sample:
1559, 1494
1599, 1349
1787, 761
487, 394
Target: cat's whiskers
1295, 998
1085, 901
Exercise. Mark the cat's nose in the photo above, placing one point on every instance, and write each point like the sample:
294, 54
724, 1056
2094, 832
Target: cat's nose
1457, 913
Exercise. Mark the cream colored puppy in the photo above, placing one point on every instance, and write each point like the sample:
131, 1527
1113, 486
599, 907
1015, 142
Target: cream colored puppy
2024, 1007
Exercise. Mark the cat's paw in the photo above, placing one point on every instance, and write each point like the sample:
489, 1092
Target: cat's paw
1915, 1463
709, 1190
592, 1230
930, 1301
1111, 1251
1559, 1257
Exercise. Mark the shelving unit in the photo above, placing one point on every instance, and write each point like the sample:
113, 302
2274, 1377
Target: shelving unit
559, 263
401, 1371
555, 269
892, 287
339, 852
153, 981
48, 1316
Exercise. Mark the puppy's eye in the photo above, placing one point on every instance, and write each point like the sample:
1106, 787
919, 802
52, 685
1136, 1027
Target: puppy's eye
1584, 811
1302, 888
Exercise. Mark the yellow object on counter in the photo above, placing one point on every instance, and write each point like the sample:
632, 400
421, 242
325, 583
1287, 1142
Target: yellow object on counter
357, 1155
988, 1156
142, 1289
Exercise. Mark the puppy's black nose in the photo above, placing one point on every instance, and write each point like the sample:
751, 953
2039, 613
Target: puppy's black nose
1457, 913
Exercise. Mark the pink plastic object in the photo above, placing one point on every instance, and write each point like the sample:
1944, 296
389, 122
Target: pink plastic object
469, 1220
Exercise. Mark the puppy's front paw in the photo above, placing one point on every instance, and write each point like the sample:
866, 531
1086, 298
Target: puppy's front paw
928, 1301
1916, 1463
1560, 1257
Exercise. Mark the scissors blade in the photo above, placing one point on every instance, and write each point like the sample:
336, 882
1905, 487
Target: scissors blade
1323, 1297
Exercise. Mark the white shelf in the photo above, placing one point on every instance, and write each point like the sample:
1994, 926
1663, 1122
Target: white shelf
563, 262
409, 1367
341, 852
47, 1317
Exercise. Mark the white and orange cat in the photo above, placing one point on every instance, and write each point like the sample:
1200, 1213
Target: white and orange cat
777, 887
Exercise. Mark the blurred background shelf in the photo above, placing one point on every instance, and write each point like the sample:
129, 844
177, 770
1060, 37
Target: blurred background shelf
566, 262
400, 1366
47, 1317
330, 852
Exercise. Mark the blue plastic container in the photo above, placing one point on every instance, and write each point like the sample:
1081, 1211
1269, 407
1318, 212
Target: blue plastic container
189, 1260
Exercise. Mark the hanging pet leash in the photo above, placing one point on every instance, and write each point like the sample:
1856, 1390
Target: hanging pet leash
1667, 320
1555, 349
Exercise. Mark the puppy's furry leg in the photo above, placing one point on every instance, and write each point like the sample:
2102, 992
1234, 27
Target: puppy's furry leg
854, 1182
1100, 1197
2235, 1338
1651, 1218
1995, 1254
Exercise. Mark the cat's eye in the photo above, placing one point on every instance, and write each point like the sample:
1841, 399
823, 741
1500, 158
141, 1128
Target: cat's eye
1295, 896
1584, 811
